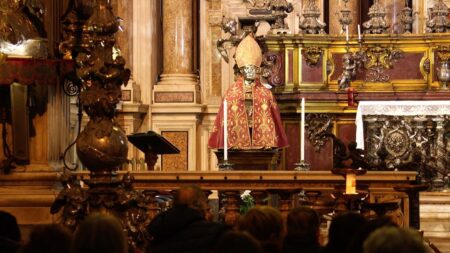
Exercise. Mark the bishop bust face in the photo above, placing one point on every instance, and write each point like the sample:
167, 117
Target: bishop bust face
249, 72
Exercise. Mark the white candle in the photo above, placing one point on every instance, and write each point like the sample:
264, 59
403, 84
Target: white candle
359, 32
346, 33
225, 130
302, 132
350, 184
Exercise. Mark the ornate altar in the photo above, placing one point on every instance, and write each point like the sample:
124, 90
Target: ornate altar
406, 135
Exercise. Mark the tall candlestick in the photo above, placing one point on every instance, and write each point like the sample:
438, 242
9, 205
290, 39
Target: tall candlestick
302, 132
359, 32
350, 183
225, 130
346, 33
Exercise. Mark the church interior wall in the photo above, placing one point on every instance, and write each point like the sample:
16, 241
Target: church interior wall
189, 122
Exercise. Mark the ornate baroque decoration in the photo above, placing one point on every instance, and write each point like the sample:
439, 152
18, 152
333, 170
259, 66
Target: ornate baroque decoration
406, 20
102, 145
377, 23
409, 143
443, 69
438, 18
348, 71
345, 19
272, 11
376, 60
230, 26
271, 65
318, 126
273, 68
312, 55
311, 23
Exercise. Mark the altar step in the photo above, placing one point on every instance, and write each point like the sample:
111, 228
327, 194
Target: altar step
435, 218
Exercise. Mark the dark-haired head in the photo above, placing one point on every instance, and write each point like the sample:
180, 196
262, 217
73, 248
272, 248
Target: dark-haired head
99, 233
237, 242
52, 238
9, 233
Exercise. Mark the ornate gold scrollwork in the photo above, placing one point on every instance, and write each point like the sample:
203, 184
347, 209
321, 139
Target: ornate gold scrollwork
318, 126
376, 60
443, 53
312, 55
379, 56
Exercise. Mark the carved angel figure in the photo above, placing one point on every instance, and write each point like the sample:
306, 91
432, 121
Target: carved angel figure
348, 72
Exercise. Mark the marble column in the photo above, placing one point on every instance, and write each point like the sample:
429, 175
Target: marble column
335, 13
178, 54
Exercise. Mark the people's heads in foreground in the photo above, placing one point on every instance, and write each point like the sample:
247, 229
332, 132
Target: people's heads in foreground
265, 224
50, 238
394, 240
303, 222
342, 229
237, 242
9, 233
99, 233
193, 197
356, 246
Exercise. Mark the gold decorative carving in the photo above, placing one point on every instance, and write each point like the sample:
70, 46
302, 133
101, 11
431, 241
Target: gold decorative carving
377, 59
318, 126
443, 53
312, 55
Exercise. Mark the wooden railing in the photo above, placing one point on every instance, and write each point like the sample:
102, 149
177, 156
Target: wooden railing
285, 184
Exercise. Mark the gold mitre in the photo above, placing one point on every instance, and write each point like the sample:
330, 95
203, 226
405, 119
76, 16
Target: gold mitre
248, 52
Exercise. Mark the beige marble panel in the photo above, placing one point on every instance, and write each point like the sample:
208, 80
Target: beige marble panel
178, 37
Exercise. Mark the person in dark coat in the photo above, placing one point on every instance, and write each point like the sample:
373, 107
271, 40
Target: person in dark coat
184, 228
343, 229
303, 230
10, 235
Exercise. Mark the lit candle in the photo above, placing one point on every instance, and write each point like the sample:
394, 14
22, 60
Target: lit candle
302, 132
225, 130
346, 33
350, 184
359, 32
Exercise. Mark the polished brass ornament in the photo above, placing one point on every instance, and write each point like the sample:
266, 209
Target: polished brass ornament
438, 18
102, 146
344, 18
406, 20
280, 8
443, 69
377, 23
311, 23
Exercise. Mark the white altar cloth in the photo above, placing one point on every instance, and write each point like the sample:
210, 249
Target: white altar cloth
405, 108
